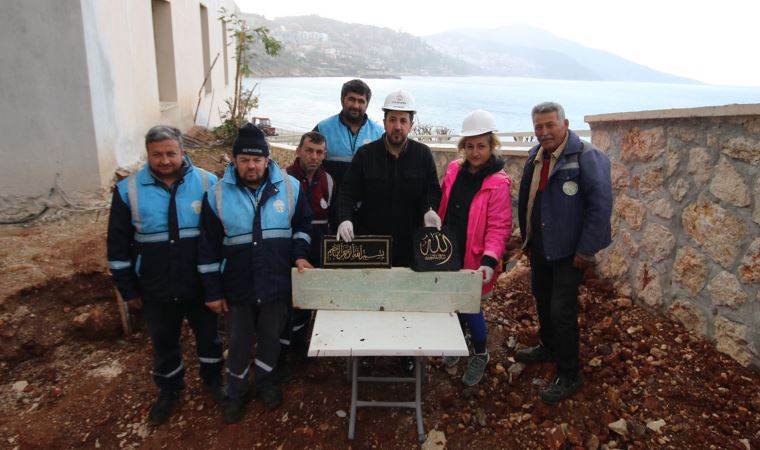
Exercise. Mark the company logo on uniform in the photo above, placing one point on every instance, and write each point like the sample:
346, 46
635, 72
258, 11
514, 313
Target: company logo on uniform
570, 187
196, 205
279, 206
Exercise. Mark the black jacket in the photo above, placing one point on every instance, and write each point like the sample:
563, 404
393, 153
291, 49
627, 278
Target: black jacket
382, 194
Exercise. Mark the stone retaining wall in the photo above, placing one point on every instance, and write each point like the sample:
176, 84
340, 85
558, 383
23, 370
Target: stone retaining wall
686, 216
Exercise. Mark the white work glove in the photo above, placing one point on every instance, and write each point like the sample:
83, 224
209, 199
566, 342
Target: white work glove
432, 220
487, 273
346, 231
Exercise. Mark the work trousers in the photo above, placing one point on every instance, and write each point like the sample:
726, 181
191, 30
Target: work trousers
266, 322
555, 287
164, 321
294, 335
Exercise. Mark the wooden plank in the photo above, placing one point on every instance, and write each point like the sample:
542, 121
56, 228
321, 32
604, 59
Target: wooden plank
396, 289
374, 333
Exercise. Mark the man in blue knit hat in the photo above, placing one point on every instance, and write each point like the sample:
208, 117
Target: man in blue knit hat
255, 226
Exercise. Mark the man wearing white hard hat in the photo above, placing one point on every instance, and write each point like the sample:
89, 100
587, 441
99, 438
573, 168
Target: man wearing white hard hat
391, 187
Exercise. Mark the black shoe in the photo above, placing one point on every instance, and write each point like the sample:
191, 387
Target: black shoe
162, 409
217, 389
561, 389
407, 365
234, 410
284, 372
272, 398
537, 354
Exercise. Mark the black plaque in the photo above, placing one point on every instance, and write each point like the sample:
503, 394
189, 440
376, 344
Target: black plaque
363, 252
435, 250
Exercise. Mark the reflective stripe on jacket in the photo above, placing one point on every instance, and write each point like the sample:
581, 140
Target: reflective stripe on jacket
249, 240
153, 234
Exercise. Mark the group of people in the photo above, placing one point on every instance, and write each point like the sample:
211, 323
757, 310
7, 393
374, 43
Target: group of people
184, 245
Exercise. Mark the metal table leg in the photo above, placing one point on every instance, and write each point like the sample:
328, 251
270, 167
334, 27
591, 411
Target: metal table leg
354, 365
418, 396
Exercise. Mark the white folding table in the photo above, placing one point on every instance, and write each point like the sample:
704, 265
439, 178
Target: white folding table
354, 334
386, 312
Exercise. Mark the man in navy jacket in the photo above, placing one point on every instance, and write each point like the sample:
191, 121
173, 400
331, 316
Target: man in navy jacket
255, 226
152, 248
564, 209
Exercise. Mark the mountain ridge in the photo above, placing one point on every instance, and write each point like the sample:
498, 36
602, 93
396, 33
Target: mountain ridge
314, 46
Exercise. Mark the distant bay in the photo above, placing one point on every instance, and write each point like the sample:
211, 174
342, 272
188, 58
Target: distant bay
299, 103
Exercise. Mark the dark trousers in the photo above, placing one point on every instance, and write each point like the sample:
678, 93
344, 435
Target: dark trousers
555, 286
294, 335
266, 323
164, 321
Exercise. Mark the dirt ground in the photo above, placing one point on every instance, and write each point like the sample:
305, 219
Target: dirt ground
68, 379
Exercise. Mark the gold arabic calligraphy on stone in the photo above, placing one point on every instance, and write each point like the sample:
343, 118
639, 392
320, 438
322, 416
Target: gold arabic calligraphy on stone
436, 247
343, 251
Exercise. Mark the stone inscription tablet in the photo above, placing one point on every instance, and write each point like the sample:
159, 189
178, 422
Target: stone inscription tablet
362, 252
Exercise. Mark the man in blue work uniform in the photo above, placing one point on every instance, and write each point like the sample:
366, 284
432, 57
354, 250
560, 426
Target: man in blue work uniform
255, 226
346, 131
564, 209
152, 249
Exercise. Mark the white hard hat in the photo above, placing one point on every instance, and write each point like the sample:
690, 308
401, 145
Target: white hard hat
478, 122
399, 101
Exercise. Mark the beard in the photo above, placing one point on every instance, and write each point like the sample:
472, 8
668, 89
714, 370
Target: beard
352, 116
396, 139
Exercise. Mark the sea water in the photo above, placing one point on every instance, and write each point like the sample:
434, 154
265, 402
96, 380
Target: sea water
299, 103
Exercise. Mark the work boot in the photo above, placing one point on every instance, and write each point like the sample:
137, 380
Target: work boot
217, 389
476, 365
271, 397
561, 388
234, 409
537, 354
450, 361
162, 409
283, 373
407, 365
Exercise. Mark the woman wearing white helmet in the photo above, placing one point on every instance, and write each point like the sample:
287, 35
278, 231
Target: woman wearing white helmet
476, 206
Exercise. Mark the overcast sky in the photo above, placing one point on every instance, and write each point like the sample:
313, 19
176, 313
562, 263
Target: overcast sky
714, 41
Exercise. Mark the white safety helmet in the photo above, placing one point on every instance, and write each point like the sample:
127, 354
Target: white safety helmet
478, 122
399, 101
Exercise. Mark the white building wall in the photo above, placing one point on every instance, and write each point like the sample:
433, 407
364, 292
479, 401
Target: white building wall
46, 122
80, 89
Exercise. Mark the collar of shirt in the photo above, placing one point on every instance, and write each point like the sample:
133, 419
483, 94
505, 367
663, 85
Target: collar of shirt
555, 154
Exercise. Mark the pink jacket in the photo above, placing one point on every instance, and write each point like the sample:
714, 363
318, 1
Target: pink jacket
490, 221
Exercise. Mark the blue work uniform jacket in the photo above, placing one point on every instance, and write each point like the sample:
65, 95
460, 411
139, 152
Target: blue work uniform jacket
250, 239
153, 235
576, 204
342, 144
